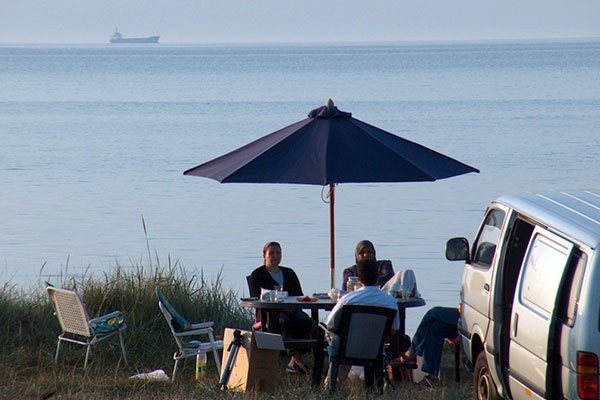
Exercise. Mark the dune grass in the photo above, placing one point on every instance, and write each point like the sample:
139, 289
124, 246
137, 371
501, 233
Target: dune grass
29, 333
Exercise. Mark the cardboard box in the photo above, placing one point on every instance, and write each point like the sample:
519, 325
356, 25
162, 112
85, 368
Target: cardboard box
257, 360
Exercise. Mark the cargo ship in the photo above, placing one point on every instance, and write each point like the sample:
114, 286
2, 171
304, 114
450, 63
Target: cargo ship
117, 37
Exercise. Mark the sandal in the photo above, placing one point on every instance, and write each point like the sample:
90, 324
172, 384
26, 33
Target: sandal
405, 361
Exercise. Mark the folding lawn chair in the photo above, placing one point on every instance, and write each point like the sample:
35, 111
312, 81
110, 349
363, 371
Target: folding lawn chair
183, 330
77, 327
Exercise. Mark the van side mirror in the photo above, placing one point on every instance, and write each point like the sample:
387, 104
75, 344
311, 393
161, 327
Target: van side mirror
457, 249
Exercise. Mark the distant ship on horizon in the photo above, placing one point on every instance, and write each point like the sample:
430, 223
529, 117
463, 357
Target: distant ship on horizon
117, 37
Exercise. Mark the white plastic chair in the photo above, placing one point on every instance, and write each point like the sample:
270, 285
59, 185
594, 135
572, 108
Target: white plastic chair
189, 348
77, 327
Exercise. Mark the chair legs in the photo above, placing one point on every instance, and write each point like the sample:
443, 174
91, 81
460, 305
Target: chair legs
87, 355
374, 377
175, 369
457, 351
88, 343
123, 346
57, 351
215, 354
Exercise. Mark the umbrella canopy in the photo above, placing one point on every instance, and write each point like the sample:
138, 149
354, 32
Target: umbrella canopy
326, 148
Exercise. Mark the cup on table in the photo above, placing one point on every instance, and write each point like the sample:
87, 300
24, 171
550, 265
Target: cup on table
335, 294
267, 294
278, 293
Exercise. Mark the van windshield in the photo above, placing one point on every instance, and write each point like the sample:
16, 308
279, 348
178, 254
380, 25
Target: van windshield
487, 240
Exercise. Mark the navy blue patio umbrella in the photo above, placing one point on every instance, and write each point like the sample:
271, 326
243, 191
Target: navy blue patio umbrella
326, 148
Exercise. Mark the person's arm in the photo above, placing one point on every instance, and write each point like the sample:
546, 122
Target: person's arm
333, 319
348, 272
254, 283
386, 272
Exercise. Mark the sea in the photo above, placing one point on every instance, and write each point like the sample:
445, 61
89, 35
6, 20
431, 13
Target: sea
95, 138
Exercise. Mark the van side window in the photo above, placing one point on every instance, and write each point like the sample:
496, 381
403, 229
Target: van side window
567, 308
542, 274
487, 240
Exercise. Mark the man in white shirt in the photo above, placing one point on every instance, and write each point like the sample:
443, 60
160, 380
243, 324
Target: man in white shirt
368, 295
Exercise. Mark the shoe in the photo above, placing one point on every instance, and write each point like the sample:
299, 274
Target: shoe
295, 369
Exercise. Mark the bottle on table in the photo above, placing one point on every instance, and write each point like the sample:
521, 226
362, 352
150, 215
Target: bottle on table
352, 284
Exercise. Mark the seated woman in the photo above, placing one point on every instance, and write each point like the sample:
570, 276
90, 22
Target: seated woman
293, 324
366, 250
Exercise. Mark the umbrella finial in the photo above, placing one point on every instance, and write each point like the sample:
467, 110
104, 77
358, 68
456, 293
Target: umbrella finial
328, 111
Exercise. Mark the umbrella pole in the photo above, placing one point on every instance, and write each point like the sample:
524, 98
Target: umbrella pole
332, 234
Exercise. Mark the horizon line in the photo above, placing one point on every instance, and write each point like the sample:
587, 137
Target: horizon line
317, 42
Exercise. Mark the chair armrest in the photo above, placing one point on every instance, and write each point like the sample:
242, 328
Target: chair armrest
203, 325
106, 316
327, 333
324, 327
192, 332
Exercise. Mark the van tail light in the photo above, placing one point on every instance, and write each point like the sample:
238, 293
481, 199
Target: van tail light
587, 375
460, 309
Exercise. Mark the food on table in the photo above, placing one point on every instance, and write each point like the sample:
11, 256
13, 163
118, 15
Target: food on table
306, 299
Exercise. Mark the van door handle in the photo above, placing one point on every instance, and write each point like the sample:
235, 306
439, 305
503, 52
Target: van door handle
486, 287
515, 324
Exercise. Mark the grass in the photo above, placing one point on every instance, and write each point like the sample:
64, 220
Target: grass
29, 331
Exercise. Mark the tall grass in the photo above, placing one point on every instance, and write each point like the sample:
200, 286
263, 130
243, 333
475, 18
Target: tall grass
30, 327
28, 335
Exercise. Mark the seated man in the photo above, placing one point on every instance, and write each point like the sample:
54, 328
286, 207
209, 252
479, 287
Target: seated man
368, 295
294, 324
365, 250
438, 323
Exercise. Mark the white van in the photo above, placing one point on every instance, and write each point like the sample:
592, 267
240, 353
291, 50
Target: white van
530, 297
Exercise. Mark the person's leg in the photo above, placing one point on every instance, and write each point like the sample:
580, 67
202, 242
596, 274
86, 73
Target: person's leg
421, 335
285, 325
297, 325
333, 350
286, 329
438, 330
445, 315
301, 325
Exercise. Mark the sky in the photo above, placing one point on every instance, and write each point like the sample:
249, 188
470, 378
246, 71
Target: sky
288, 21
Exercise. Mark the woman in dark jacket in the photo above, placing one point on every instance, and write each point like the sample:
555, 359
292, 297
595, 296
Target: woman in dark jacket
293, 324
366, 250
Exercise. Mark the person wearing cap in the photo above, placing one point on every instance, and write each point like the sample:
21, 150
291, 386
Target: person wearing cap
366, 250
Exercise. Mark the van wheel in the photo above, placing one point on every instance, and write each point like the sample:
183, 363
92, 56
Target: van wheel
483, 384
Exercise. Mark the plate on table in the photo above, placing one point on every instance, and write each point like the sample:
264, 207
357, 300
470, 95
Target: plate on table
322, 296
306, 299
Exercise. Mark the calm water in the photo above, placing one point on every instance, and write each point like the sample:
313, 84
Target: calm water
94, 137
